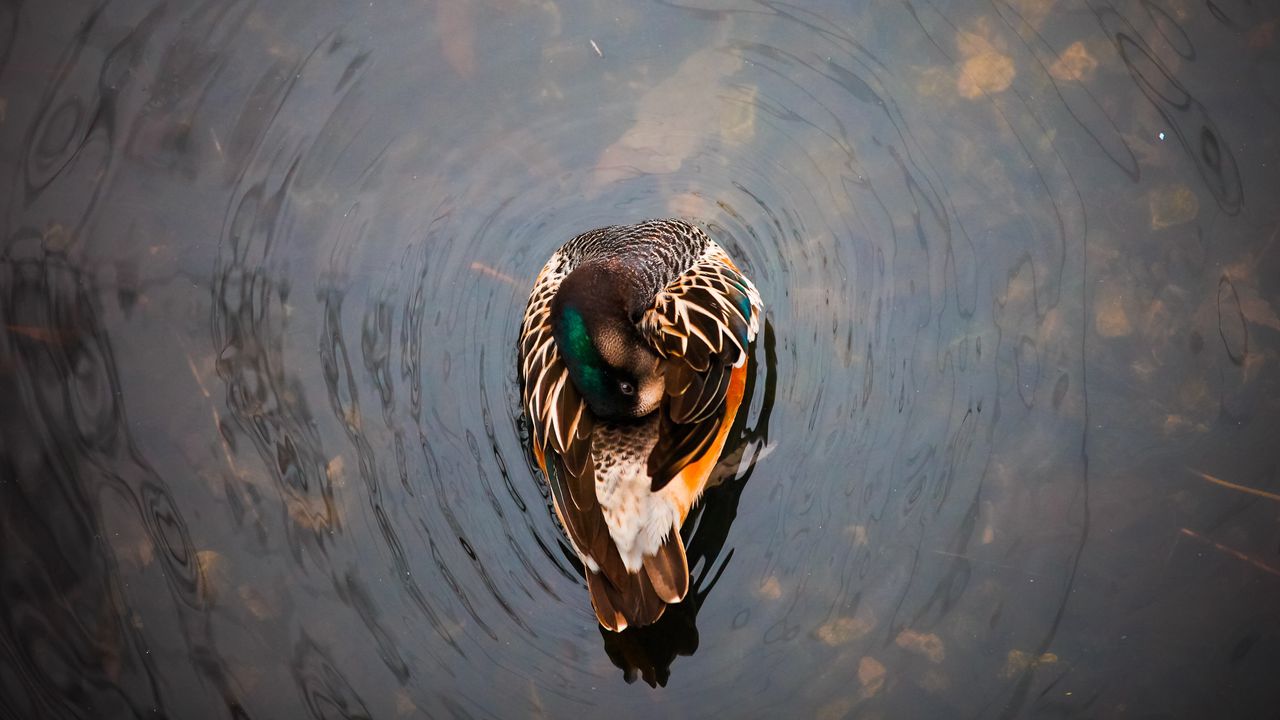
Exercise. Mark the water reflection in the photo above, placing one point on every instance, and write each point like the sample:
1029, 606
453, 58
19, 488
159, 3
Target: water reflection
83, 510
1010, 432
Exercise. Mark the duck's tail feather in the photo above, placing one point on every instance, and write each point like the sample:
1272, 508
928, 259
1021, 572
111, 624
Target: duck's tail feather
602, 593
668, 569
641, 598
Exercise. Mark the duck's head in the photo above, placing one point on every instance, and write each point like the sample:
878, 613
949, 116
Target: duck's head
593, 319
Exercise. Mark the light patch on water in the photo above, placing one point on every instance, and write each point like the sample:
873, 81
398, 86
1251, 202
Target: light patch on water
986, 66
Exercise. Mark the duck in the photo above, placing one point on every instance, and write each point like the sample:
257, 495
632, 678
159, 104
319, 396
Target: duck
633, 361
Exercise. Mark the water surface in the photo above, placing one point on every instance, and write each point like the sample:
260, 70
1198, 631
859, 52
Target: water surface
1010, 441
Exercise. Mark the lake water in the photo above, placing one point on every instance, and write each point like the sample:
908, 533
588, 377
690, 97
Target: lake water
1010, 447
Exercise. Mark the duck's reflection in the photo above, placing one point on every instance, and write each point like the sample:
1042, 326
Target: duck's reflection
648, 652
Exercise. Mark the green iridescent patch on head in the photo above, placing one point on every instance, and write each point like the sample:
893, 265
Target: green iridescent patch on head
581, 352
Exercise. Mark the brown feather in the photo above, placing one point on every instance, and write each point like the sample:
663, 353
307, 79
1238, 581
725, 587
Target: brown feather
677, 375
702, 397
668, 569
582, 486
586, 525
575, 419
649, 607
678, 445
606, 613
633, 603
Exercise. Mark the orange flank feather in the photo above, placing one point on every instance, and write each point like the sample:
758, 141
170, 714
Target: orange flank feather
693, 478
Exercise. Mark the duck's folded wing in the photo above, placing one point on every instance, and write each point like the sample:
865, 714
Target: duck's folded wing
700, 324
560, 425
559, 419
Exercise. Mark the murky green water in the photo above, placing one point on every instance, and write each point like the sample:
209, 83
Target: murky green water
1010, 448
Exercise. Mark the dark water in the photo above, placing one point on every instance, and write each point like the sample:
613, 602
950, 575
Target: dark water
1010, 448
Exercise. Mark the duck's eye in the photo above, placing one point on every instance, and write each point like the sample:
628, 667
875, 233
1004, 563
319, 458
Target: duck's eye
626, 388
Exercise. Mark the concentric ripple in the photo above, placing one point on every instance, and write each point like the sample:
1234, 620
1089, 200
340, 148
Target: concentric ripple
265, 266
